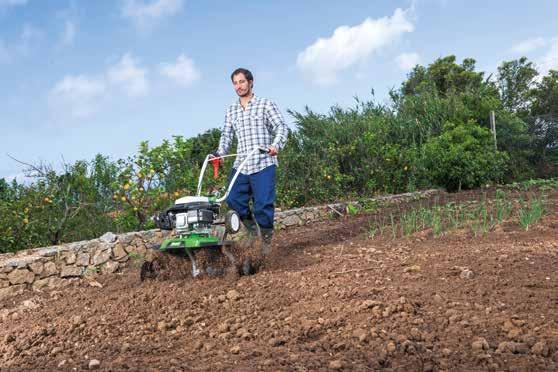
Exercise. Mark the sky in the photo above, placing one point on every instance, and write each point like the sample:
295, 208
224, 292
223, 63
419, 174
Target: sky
81, 77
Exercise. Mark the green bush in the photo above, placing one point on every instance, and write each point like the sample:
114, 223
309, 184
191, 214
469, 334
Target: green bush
463, 157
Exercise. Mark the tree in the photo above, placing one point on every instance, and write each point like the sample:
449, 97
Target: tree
69, 205
516, 80
150, 180
543, 124
446, 91
463, 157
545, 95
443, 76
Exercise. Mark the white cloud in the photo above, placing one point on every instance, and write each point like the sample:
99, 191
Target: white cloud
12, 2
183, 71
69, 33
81, 96
77, 96
529, 45
407, 61
145, 14
550, 59
323, 60
127, 74
29, 39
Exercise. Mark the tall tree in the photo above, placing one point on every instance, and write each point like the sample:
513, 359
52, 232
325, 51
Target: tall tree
545, 95
445, 76
516, 79
543, 123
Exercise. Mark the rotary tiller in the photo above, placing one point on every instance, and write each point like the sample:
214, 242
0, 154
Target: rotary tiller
200, 230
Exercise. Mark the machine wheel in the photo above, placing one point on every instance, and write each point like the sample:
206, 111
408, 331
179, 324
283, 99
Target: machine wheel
232, 222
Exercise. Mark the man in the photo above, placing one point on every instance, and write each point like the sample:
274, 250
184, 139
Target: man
255, 122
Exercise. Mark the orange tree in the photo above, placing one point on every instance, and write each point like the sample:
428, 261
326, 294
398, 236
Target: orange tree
153, 178
58, 206
464, 157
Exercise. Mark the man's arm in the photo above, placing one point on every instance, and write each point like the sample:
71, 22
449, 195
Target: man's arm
273, 115
227, 135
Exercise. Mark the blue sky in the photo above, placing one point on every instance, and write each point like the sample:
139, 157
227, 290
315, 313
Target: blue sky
84, 77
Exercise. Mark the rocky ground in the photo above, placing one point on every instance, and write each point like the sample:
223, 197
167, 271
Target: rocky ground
331, 298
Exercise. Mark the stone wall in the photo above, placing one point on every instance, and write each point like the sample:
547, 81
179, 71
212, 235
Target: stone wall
305, 216
56, 266
59, 265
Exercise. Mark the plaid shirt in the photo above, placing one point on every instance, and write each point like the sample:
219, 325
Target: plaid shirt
259, 124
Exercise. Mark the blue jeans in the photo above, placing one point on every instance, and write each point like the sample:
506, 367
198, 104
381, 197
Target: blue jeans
260, 187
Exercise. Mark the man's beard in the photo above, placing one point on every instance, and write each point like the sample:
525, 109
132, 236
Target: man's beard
248, 93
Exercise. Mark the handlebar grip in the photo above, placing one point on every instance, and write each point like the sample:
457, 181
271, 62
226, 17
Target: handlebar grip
215, 162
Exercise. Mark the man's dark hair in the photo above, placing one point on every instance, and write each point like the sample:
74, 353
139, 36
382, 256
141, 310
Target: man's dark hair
247, 74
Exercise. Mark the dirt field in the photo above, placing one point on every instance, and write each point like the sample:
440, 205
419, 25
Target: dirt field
331, 298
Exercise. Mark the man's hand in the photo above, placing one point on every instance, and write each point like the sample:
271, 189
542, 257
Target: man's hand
272, 151
215, 155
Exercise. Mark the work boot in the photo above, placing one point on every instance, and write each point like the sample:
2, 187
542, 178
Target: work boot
247, 267
267, 236
251, 228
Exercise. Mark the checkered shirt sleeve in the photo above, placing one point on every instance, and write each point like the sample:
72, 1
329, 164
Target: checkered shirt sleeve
259, 124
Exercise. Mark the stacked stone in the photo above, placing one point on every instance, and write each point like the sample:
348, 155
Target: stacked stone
306, 216
58, 265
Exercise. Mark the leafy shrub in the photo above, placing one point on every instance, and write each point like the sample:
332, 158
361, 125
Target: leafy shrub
463, 157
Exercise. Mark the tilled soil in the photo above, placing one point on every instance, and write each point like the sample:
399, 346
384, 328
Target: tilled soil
329, 298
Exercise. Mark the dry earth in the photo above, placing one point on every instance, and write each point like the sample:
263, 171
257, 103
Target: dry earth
330, 299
